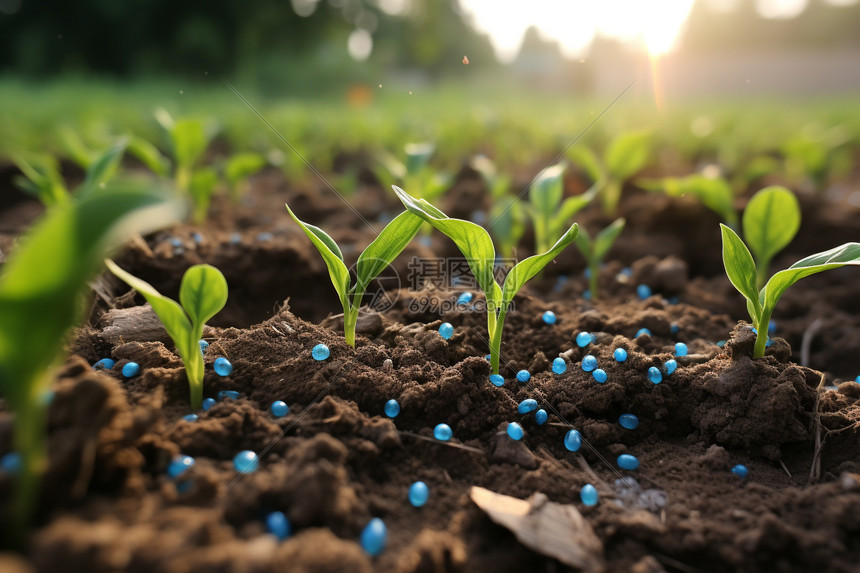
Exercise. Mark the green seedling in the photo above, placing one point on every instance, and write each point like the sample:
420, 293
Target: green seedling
238, 169
42, 287
202, 294
742, 272
507, 216
415, 172
595, 250
376, 257
770, 221
713, 192
137, 147
477, 247
549, 214
625, 156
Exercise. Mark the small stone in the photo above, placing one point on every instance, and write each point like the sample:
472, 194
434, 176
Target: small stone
392, 408
418, 494
320, 352
279, 408
515, 431
222, 366
442, 432
245, 462
573, 441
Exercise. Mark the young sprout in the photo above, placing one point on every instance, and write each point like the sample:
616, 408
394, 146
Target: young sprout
742, 272
548, 212
477, 247
42, 285
415, 172
713, 191
375, 258
238, 169
506, 213
625, 156
595, 250
770, 221
203, 293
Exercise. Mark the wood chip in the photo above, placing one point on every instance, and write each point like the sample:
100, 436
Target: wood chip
552, 529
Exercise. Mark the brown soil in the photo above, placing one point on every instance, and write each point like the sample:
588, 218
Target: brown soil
336, 461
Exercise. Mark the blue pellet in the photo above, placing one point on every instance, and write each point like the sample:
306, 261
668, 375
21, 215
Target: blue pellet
721, 343
320, 352
642, 331
627, 272
184, 486
175, 242
599, 375
190, 417
373, 537
627, 462
771, 327
197, 237
673, 300
131, 369
620, 355
228, 395
589, 496
264, 237
208, 403
235, 238
497, 379
418, 494
587, 273
559, 366
203, 346
628, 421
589, 363
104, 364
674, 328
424, 240
488, 357
392, 408
583, 339
524, 376
442, 432
680, 349
179, 465
741, 471
573, 441
464, 298
11, 463
670, 366
643, 291
222, 366
654, 375
586, 295
541, 417
549, 317
246, 462
446, 330
857, 379
515, 431
527, 405
278, 525
279, 408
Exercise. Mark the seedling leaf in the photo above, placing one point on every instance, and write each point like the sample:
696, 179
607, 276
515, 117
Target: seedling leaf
385, 247
847, 254
605, 238
770, 221
331, 255
203, 293
102, 168
627, 154
739, 264
149, 155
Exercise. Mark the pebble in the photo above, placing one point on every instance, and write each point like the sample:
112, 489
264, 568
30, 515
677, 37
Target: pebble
654, 375
670, 366
643, 291
515, 431
588, 494
620, 355
392, 408
464, 298
446, 330
245, 462
573, 441
599, 375
642, 331
228, 395
527, 405
628, 421
279, 408
278, 525
524, 376
104, 364
131, 369
680, 349
179, 465
589, 363
11, 463
442, 432
190, 417
541, 417
208, 403
549, 317
373, 537
418, 494
741, 471
320, 352
203, 346
627, 462
222, 366
559, 366
497, 379
583, 339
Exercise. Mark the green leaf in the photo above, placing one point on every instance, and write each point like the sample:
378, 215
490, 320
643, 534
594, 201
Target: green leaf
417, 156
847, 254
189, 141
243, 165
627, 154
74, 147
45, 181
203, 183
583, 243
384, 249
546, 191
472, 240
331, 255
740, 267
174, 319
102, 168
507, 225
587, 160
203, 293
770, 221
524, 270
570, 207
605, 238
149, 155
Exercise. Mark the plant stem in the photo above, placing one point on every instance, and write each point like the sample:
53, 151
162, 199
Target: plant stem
761, 334
350, 318
495, 328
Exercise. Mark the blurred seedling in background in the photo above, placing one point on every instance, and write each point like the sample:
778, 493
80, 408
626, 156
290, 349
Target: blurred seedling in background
549, 211
507, 215
595, 249
709, 187
414, 173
